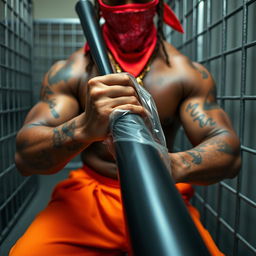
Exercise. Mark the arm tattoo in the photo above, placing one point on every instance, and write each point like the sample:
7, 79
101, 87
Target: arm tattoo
202, 72
52, 104
220, 144
46, 92
224, 147
31, 125
57, 138
196, 153
197, 158
184, 161
210, 100
69, 129
60, 136
64, 74
214, 144
202, 119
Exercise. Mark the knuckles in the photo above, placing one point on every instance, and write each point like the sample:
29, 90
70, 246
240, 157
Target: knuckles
134, 99
126, 78
97, 92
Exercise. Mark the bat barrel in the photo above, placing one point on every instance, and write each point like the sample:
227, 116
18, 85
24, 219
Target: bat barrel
157, 220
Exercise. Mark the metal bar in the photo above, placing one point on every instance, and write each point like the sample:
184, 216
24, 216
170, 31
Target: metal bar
15, 90
18, 213
242, 119
57, 21
241, 98
247, 149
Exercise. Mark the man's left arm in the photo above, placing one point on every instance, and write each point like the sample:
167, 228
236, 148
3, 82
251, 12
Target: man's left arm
216, 152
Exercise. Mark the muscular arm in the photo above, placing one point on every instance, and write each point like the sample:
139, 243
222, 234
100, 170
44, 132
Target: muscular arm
54, 131
49, 137
216, 152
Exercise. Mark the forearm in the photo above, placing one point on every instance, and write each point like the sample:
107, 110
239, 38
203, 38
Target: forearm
213, 160
46, 150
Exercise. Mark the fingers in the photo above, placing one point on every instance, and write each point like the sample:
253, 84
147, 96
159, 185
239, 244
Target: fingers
112, 86
113, 79
114, 91
104, 95
125, 100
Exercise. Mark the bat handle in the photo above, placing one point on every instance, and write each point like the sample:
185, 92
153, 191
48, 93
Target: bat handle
92, 31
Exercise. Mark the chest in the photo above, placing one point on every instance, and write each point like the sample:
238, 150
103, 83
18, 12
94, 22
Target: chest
167, 94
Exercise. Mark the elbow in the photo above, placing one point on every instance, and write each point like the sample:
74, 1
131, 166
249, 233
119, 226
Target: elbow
236, 163
20, 165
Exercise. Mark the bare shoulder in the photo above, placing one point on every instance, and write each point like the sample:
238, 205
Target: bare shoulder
64, 75
195, 77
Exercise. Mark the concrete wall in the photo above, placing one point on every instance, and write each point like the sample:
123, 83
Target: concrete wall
48, 9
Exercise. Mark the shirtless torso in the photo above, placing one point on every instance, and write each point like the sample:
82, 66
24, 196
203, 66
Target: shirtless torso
184, 93
165, 85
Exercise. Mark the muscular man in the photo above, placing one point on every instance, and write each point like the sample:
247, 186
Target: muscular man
84, 216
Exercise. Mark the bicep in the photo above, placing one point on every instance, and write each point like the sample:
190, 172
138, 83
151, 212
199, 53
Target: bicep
57, 103
53, 110
202, 117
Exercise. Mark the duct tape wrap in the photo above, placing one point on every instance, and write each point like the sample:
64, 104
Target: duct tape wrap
152, 134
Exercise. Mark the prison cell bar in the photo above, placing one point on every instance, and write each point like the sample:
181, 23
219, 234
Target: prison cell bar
157, 220
15, 101
243, 97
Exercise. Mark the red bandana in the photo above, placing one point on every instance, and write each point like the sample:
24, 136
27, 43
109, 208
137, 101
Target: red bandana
130, 33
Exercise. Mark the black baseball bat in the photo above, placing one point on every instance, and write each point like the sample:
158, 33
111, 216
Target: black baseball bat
157, 220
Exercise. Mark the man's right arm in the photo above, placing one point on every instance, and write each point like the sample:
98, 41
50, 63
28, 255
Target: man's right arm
54, 131
49, 137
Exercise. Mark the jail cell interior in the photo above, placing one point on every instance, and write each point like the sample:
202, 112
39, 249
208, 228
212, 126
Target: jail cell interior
16, 30
54, 40
218, 33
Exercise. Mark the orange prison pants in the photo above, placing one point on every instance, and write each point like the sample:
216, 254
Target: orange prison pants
84, 218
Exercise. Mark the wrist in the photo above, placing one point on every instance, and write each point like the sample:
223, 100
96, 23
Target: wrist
83, 132
179, 167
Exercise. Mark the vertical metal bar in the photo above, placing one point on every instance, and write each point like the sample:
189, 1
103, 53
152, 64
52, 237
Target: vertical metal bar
242, 121
194, 32
222, 101
15, 89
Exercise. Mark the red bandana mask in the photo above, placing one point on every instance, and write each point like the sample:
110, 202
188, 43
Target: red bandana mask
130, 33
129, 26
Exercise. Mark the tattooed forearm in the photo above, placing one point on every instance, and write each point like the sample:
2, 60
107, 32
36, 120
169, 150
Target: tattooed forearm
69, 129
64, 74
196, 153
202, 119
60, 136
225, 148
197, 158
212, 145
185, 161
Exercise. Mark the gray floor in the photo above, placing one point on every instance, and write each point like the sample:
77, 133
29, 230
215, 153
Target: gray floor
40, 200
